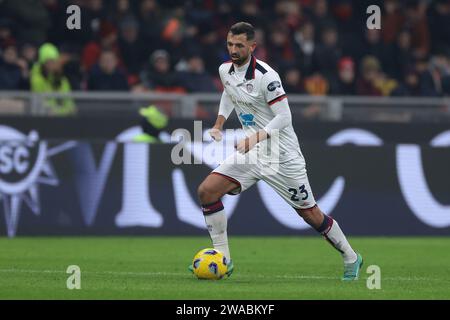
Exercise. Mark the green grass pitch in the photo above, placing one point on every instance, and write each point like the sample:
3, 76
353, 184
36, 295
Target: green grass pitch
265, 268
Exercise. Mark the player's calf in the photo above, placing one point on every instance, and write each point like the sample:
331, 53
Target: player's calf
216, 222
330, 230
210, 192
313, 216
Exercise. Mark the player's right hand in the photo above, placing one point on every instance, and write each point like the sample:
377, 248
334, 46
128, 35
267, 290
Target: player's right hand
216, 134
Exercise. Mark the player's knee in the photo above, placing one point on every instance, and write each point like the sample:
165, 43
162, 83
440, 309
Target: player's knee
206, 194
202, 191
309, 214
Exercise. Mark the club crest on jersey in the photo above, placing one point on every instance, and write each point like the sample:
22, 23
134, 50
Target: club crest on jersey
247, 119
273, 85
249, 87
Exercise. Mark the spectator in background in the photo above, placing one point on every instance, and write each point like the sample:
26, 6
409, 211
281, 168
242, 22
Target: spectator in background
374, 46
47, 77
106, 76
250, 11
107, 40
392, 21
224, 16
71, 61
328, 52
31, 18
195, 79
260, 52
305, 47
178, 38
320, 17
120, 10
151, 23
317, 85
211, 48
289, 12
439, 22
343, 13
345, 83
58, 18
132, 48
446, 86
280, 47
289, 34
292, 81
385, 84
438, 69
6, 36
28, 52
416, 20
378, 80
370, 73
402, 57
14, 74
95, 14
159, 76
410, 85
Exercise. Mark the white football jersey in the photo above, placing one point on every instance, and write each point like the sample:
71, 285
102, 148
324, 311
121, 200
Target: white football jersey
251, 89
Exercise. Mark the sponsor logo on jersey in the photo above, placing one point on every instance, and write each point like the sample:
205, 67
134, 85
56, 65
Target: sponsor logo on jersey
273, 85
247, 119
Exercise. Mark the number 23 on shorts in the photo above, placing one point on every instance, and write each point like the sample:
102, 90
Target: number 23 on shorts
294, 193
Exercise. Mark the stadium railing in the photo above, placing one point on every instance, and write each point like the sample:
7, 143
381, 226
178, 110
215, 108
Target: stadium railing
205, 106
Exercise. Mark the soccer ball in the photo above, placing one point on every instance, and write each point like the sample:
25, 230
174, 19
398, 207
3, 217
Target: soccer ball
209, 264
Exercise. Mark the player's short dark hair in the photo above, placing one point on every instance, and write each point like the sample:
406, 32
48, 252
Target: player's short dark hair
243, 27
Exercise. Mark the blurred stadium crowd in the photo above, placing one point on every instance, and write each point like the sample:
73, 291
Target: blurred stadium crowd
319, 47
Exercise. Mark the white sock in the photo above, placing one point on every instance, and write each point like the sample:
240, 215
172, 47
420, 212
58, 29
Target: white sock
217, 227
337, 238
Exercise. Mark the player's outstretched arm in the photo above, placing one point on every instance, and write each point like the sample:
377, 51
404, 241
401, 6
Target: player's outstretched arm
225, 109
216, 131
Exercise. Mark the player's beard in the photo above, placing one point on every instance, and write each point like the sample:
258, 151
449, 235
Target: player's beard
239, 61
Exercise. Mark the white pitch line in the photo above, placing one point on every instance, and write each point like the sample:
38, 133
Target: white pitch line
143, 274
123, 273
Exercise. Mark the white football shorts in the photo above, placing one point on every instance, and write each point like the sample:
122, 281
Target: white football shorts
288, 179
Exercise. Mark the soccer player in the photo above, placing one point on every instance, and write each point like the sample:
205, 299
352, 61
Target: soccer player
254, 90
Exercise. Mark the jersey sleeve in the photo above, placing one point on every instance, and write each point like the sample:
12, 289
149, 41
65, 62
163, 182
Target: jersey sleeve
282, 117
272, 88
221, 70
226, 106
